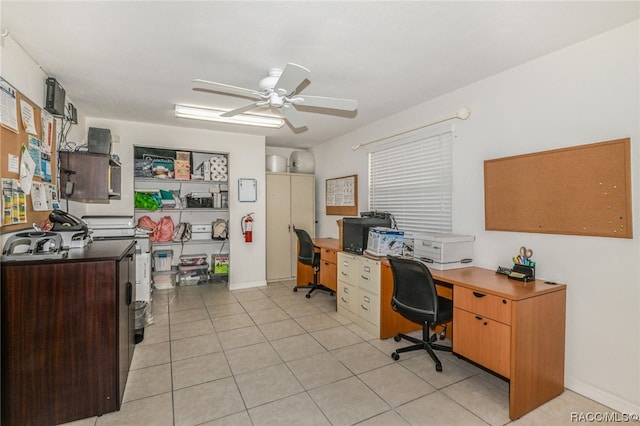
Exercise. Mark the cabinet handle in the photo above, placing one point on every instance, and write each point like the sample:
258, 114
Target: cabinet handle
129, 293
344, 300
346, 290
481, 319
476, 294
364, 307
344, 273
364, 278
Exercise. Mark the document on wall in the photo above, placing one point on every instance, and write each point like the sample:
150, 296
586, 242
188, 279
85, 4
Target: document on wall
340, 192
28, 117
44, 197
14, 202
8, 106
48, 135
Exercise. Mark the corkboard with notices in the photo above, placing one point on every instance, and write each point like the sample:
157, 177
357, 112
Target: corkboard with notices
580, 190
25, 130
342, 196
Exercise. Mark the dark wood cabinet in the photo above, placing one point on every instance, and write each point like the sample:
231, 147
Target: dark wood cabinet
89, 177
67, 334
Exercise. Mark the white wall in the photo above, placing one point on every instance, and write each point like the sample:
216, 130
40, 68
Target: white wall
246, 160
586, 93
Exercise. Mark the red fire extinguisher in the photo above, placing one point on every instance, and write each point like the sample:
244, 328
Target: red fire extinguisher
247, 228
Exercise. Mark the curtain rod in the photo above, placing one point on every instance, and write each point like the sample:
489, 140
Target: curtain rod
462, 114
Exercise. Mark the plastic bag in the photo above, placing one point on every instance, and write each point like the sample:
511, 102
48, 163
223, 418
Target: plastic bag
164, 231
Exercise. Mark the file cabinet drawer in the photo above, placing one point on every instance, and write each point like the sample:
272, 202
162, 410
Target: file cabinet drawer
485, 305
482, 340
348, 268
347, 297
369, 275
369, 307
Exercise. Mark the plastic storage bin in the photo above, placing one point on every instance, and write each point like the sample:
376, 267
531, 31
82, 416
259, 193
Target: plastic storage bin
164, 280
162, 260
192, 275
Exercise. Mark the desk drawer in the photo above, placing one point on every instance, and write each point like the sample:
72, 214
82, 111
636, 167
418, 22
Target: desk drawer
485, 305
482, 340
328, 255
328, 274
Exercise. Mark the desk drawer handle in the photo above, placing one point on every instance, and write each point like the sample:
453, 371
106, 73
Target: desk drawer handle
476, 294
481, 319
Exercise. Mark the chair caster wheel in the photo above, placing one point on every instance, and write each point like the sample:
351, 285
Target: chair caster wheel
295, 289
308, 296
439, 367
396, 357
396, 338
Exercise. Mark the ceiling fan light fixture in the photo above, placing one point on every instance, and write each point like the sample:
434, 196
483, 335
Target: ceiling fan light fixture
212, 114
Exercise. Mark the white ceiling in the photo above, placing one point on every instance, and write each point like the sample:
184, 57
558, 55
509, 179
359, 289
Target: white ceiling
134, 60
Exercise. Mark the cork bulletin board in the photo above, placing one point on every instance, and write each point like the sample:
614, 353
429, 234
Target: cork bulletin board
12, 138
581, 190
342, 196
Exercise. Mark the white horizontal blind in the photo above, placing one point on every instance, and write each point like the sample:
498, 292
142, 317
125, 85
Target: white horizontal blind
412, 180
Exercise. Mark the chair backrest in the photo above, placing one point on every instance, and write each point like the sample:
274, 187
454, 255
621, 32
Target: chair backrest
306, 252
414, 292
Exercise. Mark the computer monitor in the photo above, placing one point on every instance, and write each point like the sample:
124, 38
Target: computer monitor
355, 232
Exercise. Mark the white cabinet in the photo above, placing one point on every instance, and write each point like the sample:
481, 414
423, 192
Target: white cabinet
290, 203
359, 291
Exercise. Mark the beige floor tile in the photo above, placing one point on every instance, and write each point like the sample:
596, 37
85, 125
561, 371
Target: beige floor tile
239, 419
281, 329
187, 315
215, 299
389, 418
318, 370
267, 384
89, 421
337, 337
439, 409
252, 357
361, 357
268, 315
348, 401
297, 347
295, 410
240, 337
190, 329
231, 322
453, 369
160, 318
150, 355
226, 309
300, 309
185, 302
155, 334
316, 322
194, 371
206, 402
248, 294
364, 334
395, 384
483, 399
153, 411
562, 407
146, 382
278, 291
195, 346
258, 304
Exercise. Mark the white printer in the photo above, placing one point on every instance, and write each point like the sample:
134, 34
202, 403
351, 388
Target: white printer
444, 251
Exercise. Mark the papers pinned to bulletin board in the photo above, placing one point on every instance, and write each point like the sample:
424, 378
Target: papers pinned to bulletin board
342, 196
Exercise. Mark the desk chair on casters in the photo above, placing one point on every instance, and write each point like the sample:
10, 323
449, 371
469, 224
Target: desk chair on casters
308, 255
415, 298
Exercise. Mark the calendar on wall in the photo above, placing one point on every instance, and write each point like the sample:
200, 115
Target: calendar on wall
342, 196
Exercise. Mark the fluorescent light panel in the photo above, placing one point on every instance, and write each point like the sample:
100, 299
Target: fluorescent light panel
211, 114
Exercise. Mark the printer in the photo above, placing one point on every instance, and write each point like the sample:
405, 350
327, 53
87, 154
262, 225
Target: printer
444, 251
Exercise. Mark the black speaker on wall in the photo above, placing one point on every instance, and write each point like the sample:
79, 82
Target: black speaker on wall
54, 97
99, 140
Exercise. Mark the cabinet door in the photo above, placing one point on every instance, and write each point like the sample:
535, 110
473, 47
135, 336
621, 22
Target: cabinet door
88, 173
279, 234
126, 319
302, 209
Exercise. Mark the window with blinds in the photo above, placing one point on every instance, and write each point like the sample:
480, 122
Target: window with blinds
411, 178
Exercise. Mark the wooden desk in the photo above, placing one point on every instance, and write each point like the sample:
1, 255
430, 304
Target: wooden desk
328, 247
513, 328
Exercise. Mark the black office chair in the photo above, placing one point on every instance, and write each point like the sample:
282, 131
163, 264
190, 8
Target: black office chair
415, 298
308, 255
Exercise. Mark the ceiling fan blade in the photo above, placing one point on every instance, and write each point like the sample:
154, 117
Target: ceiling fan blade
324, 102
293, 117
240, 110
291, 78
225, 88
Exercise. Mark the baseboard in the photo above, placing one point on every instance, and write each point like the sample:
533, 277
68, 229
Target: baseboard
238, 286
602, 397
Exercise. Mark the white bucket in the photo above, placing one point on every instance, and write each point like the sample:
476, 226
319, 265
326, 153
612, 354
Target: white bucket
276, 164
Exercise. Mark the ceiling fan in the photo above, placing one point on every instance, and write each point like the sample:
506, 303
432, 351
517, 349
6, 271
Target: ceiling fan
278, 90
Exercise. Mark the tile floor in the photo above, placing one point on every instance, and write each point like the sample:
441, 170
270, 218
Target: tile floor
269, 356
